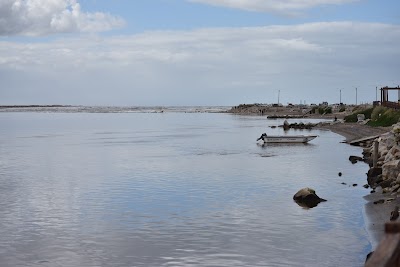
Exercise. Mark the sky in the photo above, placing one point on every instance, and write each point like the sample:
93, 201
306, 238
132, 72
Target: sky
197, 52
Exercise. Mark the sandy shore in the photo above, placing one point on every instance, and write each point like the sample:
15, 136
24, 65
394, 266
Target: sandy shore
375, 215
352, 131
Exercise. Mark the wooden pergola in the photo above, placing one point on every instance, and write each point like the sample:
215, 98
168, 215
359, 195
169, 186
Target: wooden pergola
385, 97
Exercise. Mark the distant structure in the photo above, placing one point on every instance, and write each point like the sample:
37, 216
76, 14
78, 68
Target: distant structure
385, 97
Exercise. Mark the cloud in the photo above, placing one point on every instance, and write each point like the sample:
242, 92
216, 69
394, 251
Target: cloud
206, 66
276, 6
44, 17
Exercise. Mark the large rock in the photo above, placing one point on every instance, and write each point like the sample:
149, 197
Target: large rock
360, 117
391, 169
306, 197
355, 159
372, 176
386, 183
386, 142
391, 153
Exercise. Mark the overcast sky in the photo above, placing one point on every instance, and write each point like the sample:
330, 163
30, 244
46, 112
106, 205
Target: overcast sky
197, 52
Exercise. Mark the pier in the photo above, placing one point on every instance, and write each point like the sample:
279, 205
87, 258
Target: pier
385, 97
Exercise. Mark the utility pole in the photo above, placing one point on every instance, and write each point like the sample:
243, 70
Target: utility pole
376, 98
356, 96
340, 96
279, 92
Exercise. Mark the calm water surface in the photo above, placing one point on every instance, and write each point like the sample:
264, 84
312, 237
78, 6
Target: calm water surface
173, 189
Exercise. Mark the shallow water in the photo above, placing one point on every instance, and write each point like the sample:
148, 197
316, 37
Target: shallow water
173, 189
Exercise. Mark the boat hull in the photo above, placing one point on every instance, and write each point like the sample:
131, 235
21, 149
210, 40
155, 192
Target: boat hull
288, 139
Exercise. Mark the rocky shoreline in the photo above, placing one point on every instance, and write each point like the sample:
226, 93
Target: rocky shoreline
384, 178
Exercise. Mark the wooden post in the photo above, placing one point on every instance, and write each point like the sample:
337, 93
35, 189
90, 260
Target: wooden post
375, 155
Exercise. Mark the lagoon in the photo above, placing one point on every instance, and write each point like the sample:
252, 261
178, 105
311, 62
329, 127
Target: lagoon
173, 189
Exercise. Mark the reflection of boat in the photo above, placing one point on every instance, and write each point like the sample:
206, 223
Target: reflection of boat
286, 138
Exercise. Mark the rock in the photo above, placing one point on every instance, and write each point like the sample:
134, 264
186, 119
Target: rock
354, 184
306, 197
386, 183
395, 187
355, 159
340, 174
368, 256
380, 201
386, 190
394, 214
373, 172
391, 153
372, 175
366, 186
379, 178
391, 169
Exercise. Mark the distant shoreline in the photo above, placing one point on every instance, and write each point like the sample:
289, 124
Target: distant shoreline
34, 106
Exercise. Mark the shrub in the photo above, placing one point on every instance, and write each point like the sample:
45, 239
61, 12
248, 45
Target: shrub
377, 111
387, 118
313, 110
353, 117
367, 112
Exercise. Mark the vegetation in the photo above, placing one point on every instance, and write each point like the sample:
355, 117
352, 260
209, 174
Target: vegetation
353, 117
386, 117
378, 116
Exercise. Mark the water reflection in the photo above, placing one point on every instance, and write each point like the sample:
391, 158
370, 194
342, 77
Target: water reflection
146, 190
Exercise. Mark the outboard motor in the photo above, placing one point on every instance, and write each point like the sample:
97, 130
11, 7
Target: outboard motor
262, 136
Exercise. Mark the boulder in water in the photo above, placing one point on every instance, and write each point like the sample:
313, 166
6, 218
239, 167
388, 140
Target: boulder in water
307, 198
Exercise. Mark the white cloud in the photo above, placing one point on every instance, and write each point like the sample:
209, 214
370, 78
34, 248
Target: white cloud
43, 17
207, 66
277, 6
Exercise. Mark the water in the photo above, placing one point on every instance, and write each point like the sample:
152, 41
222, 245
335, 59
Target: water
173, 189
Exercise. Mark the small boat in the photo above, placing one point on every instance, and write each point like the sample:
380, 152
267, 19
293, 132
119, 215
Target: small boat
286, 138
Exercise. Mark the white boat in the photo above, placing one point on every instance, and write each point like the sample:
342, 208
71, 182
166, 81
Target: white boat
286, 138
